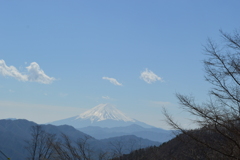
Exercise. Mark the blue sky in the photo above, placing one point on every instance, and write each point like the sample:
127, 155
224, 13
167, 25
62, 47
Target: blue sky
60, 58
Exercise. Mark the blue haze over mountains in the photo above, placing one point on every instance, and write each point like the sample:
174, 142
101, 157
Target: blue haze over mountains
103, 115
15, 133
106, 121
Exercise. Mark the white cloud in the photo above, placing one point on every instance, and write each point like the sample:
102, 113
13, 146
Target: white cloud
35, 73
105, 97
11, 71
149, 77
113, 81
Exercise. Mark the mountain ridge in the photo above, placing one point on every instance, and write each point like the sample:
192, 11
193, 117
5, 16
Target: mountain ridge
102, 115
15, 133
154, 134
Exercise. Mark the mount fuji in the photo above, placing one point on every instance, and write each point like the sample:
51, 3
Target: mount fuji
103, 115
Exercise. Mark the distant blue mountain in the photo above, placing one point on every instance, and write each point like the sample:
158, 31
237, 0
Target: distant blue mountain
105, 121
103, 115
154, 134
14, 133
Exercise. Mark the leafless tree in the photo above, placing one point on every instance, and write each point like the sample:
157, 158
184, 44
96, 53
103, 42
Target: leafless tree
66, 149
40, 145
3, 155
117, 148
45, 146
219, 117
85, 148
103, 155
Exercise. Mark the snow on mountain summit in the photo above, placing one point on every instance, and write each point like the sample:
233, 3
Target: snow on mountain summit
103, 115
104, 112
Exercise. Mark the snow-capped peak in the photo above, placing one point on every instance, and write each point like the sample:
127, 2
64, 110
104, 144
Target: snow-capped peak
103, 112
